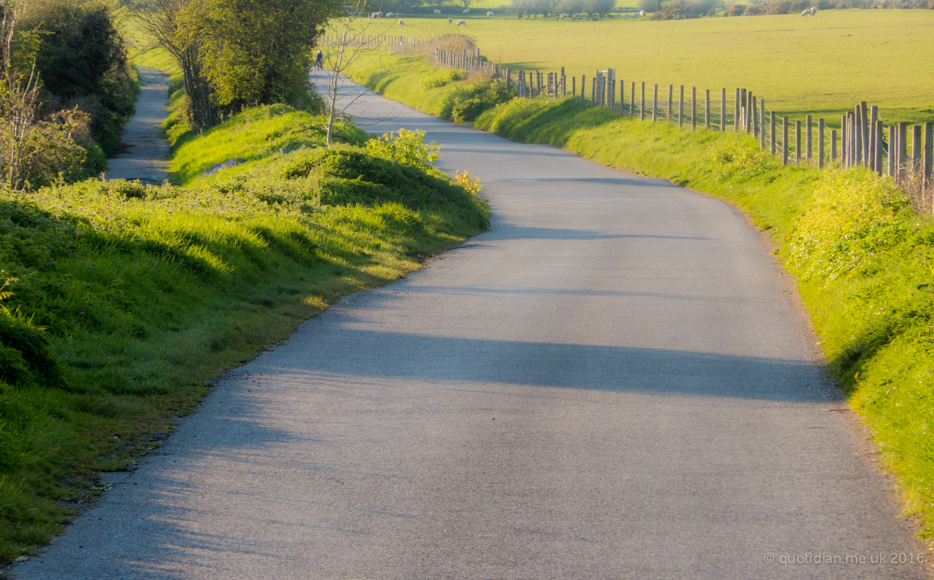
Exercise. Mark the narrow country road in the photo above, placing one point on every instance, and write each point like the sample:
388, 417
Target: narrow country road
614, 382
146, 150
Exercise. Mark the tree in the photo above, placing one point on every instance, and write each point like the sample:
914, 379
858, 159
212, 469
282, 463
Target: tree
81, 60
160, 20
255, 52
572, 7
32, 148
349, 45
599, 7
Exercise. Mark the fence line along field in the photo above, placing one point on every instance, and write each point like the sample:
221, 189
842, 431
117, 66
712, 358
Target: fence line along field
823, 65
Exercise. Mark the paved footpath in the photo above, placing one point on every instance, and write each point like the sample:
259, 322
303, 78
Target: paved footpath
146, 151
614, 382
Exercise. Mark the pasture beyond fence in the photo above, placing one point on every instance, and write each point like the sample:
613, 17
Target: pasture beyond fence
906, 154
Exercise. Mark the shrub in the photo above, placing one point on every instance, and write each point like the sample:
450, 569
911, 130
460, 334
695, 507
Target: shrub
442, 78
405, 147
82, 62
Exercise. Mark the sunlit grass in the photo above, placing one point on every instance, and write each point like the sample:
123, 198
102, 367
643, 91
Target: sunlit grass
127, 300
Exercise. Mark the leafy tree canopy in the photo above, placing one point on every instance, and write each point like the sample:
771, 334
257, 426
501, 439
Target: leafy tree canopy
256, 52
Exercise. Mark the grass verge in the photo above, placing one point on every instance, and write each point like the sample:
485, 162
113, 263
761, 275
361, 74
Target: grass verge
121, 302
863, 259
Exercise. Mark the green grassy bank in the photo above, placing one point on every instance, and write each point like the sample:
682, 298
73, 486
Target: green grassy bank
121, 302
863, 258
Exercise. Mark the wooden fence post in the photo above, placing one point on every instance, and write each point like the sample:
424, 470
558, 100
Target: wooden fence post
722, 110
564, 89
693, 108
797, 142
622, 96
807, 141
593, 91
820, 143
864, 124
892, 145
707, 108
916, 151
671, 90
902, 151
833, 146
632, 100
583, 84
761, 123
772, 133
750, 114
784, 141
873, 138
736, 113
611, 87
857, 137
877, 148
929, 153
845, 142
642, 103
654, 103
681, 107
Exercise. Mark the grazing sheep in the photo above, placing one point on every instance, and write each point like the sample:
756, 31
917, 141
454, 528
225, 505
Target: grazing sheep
466, 11
450, 20
402, 23
642, 13
376, 15
490, 13
390, 15
437, 12
462, 23
810, 11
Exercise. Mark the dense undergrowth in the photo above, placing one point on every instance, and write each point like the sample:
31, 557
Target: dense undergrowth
863, 259
121, 301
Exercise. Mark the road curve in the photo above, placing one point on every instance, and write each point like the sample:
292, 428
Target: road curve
615, 381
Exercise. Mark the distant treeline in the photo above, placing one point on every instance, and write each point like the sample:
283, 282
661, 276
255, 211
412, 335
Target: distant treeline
675, 9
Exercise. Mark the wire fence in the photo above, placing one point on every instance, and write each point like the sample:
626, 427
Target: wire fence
904, 153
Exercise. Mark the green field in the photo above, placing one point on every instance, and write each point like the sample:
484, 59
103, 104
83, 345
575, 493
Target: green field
820, 65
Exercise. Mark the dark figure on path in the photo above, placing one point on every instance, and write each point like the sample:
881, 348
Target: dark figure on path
319, 60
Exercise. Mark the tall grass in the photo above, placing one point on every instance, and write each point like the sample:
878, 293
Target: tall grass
123, 301
864, 260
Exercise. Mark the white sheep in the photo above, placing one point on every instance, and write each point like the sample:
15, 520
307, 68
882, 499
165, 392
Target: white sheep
462, 23
450, 20
390, 15
437, 12
642, 13
466, 11
810, 11
402, 23
376, 15
489, 13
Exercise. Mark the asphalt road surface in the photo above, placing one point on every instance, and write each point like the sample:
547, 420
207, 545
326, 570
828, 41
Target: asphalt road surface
615, 381
145, 149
